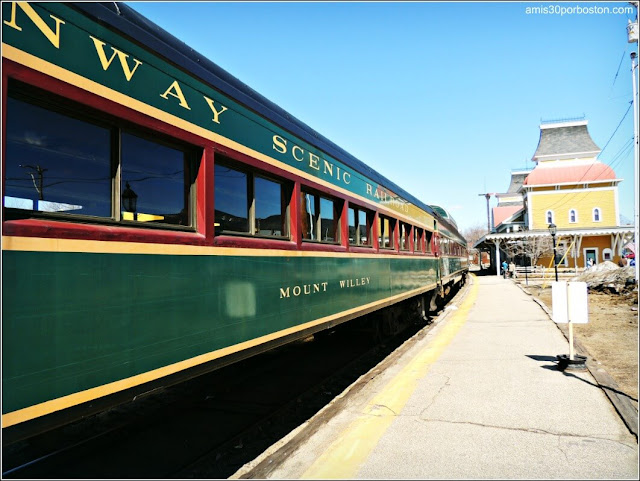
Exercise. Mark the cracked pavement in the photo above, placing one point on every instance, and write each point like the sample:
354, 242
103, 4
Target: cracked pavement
491, 404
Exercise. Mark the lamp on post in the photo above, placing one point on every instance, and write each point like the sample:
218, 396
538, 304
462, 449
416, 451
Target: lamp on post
526, 255
552, 230
129, 200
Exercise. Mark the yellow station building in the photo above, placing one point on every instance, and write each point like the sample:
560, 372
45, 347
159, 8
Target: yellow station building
568, 187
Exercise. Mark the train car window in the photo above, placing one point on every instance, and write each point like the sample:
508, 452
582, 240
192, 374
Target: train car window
328, 232
309, 216
249, 203
365, 221
319, 218
360, 222
55, 163
270, 208
428, 235
386, 227
231, 193
418, 239
155, 174
66, 160
353, 226
405, 236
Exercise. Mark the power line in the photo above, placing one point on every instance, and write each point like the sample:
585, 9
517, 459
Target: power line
618, 71
614, 132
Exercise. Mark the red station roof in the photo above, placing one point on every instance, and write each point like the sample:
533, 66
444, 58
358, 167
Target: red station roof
502, 213
577, 173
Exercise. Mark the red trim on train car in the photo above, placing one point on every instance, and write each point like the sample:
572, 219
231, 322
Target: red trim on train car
205, 196
374, 231
318, 246
294, 209
113, 232
362, 250
295, 233
226, 240
344, 225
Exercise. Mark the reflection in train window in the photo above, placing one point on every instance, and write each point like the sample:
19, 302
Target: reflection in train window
156, 175
62, 159
56, 163
319, 218
249, 203
231, 194
270, 208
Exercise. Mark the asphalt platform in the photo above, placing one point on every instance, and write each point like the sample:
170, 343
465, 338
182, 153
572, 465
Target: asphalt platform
478, 396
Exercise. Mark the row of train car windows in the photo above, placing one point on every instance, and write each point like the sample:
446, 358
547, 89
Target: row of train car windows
249, 202
83, 165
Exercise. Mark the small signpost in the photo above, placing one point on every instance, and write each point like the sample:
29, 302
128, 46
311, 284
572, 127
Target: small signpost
570, 306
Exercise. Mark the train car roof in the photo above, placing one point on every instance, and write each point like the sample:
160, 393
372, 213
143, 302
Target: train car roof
125, 19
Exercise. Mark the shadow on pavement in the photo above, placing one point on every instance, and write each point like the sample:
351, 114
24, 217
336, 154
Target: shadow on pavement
555, 367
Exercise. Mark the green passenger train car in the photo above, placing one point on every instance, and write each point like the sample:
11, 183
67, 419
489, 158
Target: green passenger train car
161, 218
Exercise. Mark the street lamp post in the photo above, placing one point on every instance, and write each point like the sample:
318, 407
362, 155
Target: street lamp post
526, 254
130, 200
632, 37
552, 230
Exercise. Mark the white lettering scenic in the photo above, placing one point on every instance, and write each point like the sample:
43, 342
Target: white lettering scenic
313, 161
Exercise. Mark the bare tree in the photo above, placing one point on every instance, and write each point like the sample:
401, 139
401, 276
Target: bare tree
474, 233
532, 247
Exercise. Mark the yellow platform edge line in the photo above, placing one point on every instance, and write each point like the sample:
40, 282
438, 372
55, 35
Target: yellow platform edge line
349, 451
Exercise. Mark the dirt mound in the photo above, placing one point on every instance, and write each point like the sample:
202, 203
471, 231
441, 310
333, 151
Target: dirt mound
608, 277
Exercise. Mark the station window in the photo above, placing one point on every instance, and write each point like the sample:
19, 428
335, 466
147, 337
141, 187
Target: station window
549, 216
405, 236
386, 228
319, 217
64, 160
250, 203
596, 214
573, 216
360, 222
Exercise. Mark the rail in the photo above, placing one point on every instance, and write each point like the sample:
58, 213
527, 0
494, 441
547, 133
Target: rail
548, 272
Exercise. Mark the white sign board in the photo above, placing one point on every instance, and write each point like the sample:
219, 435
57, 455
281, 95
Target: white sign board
570, 302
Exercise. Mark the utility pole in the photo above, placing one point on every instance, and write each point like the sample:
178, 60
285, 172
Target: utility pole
487, 196
39, 186
632, 36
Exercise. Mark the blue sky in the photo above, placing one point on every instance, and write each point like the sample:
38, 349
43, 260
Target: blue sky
442, 98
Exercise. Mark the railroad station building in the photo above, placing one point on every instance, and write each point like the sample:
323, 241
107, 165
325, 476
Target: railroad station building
570, 188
